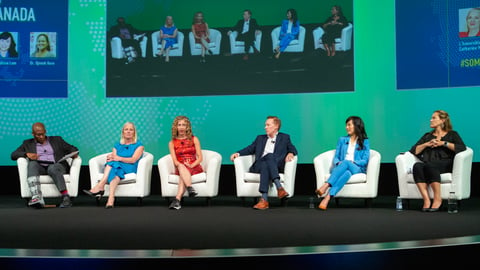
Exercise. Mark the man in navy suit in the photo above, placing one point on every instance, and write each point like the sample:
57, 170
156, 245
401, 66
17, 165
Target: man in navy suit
271, 152
48, 149
247, 29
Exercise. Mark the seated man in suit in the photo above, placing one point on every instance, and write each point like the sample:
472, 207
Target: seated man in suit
271, 152
246, 28
48, 149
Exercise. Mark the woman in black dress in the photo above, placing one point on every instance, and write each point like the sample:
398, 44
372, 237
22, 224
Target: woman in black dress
333, 29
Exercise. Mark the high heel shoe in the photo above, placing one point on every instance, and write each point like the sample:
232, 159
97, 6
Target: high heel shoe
94, 195
322, 207
109, 206
319, 193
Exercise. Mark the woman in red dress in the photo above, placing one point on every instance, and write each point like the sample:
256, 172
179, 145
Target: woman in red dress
473, 24
186, 155
201, 33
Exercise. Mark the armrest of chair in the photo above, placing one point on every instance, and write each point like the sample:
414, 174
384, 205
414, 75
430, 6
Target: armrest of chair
461, 173
74, 174
346, 37
155, 36
404, 163
373, 171
242, 165
301, 37
144, 171
323, 164
233, 35
289, 175
22, 165
212, 169
213, 164
96, 166
165, 168
317, 37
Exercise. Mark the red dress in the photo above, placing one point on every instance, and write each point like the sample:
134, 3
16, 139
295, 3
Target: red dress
465, 34
200, 30
186, 153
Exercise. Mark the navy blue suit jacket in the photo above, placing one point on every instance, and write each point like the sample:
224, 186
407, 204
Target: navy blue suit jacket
283, 146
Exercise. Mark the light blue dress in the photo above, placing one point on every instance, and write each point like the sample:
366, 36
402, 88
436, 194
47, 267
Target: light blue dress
169, 42
121, 168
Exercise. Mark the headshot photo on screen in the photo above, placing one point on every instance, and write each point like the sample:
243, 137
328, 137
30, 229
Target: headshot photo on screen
42, 45
469, 22
8, 46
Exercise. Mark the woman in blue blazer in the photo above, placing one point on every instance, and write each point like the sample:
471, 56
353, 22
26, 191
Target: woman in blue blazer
351, 157
289, 31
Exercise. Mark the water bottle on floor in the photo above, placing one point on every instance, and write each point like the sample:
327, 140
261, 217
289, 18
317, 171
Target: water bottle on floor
399, 204
310, 203
452, 203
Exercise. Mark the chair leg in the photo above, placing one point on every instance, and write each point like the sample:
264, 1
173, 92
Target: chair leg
97, 200
284, 202
209, 201
368, 202
139, 201
337, 201
407, 203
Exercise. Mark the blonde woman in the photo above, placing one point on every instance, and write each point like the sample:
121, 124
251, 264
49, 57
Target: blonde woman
122, 160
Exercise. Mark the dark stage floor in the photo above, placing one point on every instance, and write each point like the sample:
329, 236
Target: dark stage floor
226, 224
307, 72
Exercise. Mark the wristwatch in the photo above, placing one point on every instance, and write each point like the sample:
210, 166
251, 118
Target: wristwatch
446, 144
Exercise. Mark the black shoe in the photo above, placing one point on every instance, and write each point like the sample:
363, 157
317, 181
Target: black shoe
191, 192
94, 195
434, 209
66, 202
210, 52
175, 204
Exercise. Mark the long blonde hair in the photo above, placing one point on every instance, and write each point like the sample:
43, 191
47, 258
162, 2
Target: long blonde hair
447, 125
122, 139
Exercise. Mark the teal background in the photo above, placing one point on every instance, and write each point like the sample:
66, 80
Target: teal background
394, 119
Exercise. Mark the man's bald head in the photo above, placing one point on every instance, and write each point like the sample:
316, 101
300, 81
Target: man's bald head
39, 132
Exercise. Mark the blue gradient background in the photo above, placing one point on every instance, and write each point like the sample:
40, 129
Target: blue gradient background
394, 119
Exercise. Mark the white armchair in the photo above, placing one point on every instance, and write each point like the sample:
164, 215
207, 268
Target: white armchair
360, 185
176, 50
237, 47
205, 183
247, 183
295, 45
457, 181
48, 187
214, 45
343, 43
117, 49
134, 185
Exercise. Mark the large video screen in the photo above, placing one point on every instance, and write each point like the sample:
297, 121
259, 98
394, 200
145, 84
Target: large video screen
438, 43
34, 49
85, 95
304, 66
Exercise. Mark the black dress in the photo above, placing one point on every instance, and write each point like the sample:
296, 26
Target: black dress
333, 31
